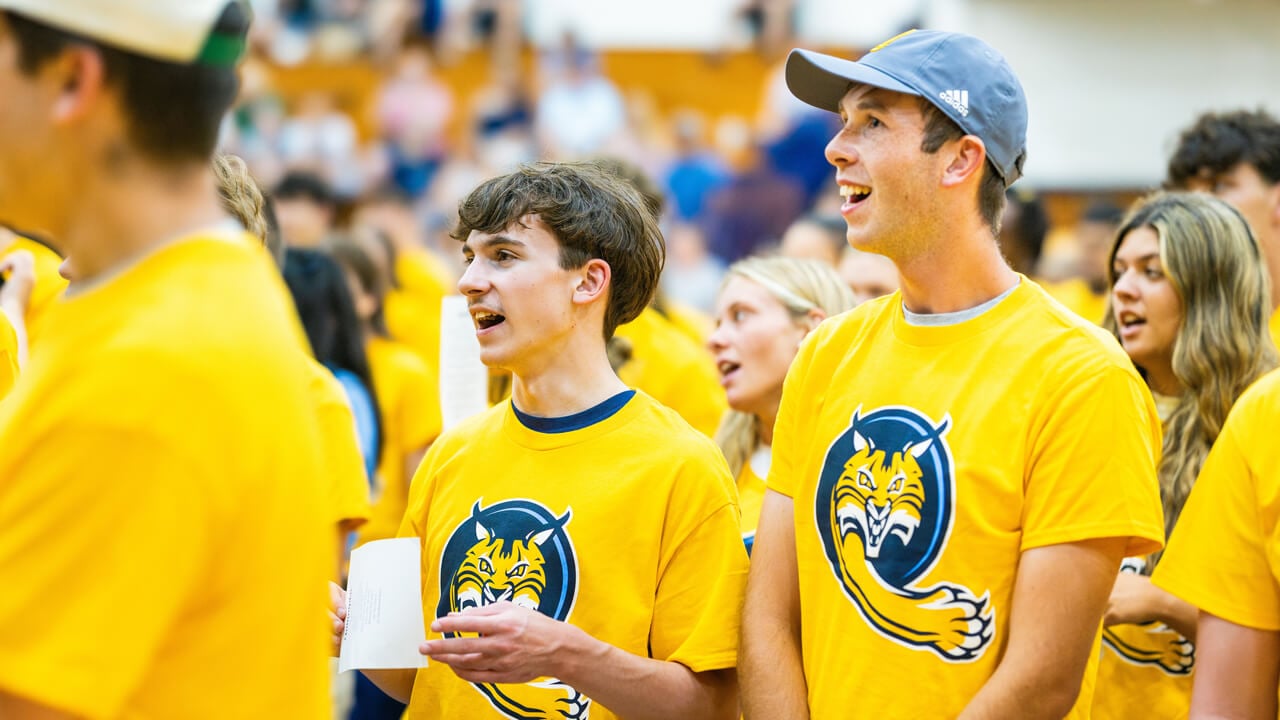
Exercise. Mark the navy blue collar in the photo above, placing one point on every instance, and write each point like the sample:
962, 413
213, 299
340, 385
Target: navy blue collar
578, 420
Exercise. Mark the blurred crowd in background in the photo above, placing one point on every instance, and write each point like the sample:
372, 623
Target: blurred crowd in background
352, 103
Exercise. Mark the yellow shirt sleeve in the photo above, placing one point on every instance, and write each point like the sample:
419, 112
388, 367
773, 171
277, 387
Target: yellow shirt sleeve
1092, 471
1224, 555
702, 637
348, 484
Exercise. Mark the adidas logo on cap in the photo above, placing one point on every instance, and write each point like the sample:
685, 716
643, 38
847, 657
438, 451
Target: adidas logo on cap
958, 99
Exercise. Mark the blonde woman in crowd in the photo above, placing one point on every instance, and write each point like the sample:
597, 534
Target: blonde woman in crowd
1198, 347
765, 308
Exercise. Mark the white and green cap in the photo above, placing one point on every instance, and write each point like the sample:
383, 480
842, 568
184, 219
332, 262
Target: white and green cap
186, 32
961, 75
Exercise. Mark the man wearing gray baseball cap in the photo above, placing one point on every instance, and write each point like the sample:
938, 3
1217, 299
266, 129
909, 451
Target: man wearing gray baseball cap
163, 534
958, 468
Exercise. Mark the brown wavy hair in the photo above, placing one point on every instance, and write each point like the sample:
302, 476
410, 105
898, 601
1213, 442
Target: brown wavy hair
1223, 344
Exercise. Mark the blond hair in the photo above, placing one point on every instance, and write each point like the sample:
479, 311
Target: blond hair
240, 195
1223, 344
801, 286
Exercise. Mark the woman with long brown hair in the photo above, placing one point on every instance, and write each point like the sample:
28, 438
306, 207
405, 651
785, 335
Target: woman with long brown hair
1189, 302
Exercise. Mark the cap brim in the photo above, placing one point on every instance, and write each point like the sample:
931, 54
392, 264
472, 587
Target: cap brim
822, 80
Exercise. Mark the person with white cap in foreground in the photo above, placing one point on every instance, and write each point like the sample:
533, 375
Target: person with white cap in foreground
162, 523
959, 467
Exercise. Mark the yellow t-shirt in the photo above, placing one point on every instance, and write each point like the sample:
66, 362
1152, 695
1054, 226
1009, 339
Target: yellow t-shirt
1224, 555
1144, 670
49, 285
1079, 298
413, 310
751, 489
696, 325
164, 527
641, 550
410, 412
348, 489
922, 461
8, 356
674, 370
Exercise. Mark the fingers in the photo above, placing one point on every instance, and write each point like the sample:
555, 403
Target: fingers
337, 600
464, 646
487, 610
337, 614
485, 620
18, 262
480, 667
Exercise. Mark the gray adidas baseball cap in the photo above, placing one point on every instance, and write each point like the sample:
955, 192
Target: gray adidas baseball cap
963, 76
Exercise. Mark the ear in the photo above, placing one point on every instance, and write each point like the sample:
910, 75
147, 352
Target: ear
593, 280
861, 443
919, 449
813, 318
965, 159
80, 78
541, 536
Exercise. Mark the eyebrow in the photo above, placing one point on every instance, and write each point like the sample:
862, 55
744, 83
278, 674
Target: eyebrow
1142, 258
493, 241
871, 102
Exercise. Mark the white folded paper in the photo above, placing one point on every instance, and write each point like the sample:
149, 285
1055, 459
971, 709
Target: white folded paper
464, 379
384, 623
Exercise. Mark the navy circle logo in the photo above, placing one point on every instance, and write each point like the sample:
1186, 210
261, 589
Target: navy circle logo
883, 510
887, 478
513, 550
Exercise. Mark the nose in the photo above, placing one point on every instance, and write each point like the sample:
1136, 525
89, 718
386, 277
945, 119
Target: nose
717, 341
1126, 288
473, 280
840, 150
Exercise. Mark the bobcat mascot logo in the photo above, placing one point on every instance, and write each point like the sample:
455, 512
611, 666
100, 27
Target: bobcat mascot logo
884, 509
1153, 644
518, 551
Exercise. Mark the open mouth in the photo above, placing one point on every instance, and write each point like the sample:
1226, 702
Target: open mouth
727, 368
1130, 321
486, 320
854, 193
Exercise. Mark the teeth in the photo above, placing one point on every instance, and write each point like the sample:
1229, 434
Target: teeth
727, 367
851, 190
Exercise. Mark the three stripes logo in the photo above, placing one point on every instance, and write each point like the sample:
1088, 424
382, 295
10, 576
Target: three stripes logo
958, 99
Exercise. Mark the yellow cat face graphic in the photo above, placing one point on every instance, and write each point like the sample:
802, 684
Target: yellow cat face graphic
880, 493
497, 569
515, 550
